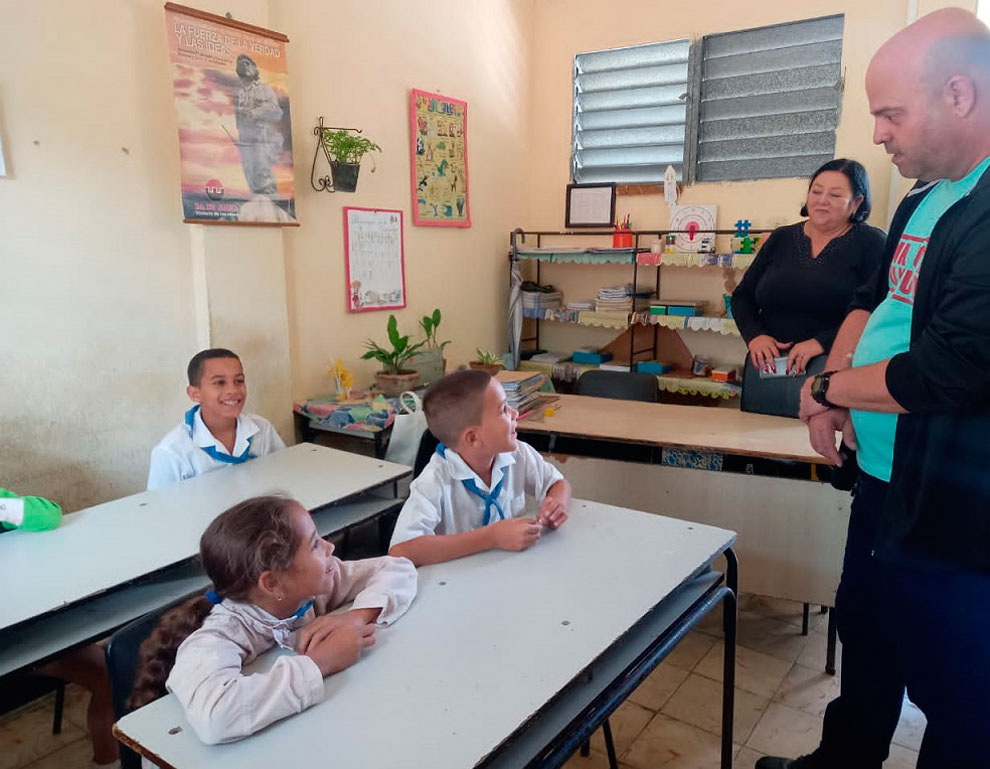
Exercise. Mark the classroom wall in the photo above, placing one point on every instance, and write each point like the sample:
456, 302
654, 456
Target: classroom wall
568, 27
355, 67
106, 294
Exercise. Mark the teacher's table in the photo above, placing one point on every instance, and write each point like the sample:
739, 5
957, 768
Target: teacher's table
109, 564
503, 660
792, 532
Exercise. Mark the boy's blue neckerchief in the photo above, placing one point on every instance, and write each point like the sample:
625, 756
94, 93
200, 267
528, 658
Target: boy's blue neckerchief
212, 450
490, 499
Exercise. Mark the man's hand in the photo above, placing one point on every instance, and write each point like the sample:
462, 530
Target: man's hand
320, 628
800, 354
763, 349
341, 648
515, 533
553, 512
809, 406
822, 429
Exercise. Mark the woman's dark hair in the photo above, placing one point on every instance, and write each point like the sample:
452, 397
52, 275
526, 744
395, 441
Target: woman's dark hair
251, 537
858, 181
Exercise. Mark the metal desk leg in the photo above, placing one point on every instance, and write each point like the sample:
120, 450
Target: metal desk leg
613, 762
830, 649
729, 658
805, 619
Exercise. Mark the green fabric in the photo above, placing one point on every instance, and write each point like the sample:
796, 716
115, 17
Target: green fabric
40, 514
888, 331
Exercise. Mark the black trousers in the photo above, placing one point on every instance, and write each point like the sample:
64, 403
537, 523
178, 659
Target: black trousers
910, 627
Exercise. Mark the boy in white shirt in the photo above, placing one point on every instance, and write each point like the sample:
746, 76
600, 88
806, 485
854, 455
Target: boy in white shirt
214, 433
472, 494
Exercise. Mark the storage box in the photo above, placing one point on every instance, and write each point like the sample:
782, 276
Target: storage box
593, 358
724, 374
682, 311
653, 367
658, 309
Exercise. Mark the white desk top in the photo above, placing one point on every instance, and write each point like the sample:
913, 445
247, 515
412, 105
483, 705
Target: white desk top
488, 642
101, 547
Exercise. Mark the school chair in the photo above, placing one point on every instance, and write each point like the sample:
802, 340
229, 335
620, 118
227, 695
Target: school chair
427, 447
620, 385
122, 652
21, 688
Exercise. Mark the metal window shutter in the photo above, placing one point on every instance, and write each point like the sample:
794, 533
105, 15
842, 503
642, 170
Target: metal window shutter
629, 113
770, 100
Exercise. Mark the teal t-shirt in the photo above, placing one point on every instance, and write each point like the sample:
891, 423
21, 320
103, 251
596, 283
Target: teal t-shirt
888, 332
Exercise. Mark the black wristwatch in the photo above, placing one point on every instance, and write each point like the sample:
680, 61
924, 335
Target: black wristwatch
819, 389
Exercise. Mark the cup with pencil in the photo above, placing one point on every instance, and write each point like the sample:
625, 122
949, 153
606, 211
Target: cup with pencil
622, 237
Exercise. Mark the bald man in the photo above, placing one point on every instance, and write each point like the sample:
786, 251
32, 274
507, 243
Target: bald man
908, 378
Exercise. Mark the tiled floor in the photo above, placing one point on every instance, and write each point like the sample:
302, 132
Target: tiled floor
670, 722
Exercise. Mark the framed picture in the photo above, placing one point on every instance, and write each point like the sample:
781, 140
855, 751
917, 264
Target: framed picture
439, 164
590, 205
230, 84
374, 258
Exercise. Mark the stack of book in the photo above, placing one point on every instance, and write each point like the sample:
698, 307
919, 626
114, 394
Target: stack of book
522, 388
541, 300
620, 298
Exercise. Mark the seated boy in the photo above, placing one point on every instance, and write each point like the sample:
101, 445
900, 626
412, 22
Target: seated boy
214, 433
468, 497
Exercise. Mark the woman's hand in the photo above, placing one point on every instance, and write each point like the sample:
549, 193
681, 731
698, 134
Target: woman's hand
763, 349
800, 354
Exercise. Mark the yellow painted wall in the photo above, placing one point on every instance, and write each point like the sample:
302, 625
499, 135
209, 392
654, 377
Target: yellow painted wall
568, 27
354, 65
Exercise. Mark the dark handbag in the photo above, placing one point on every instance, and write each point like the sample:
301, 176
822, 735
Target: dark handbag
778, 396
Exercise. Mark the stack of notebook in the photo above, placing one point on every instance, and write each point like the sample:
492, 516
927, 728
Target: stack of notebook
620, 298
522, 388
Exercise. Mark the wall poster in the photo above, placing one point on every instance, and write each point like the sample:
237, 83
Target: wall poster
376, 276
439, 160
230, 82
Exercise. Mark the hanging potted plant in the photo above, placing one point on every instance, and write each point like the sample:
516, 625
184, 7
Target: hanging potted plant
429, 361
345, 151
487, 361
395, 376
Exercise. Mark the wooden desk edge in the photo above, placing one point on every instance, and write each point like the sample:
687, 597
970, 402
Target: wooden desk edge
126, 741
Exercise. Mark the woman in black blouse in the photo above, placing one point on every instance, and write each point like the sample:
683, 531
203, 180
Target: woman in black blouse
795, 294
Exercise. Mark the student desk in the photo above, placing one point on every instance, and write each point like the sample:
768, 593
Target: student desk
111, 563
503, 660
792, 532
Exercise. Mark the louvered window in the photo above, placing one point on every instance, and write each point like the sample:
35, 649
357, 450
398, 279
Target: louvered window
629, 113
770, 100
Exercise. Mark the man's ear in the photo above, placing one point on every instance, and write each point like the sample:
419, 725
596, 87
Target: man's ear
960, 94
194, 395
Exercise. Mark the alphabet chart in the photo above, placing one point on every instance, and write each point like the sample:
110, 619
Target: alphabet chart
373, 250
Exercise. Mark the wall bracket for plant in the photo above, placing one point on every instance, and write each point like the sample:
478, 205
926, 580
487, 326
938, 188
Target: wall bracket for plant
324, 183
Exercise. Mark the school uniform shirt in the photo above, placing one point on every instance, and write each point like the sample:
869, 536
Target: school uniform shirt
190, 449
440, 501
222, 704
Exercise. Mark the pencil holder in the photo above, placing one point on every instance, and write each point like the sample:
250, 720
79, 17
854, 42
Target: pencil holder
621, 239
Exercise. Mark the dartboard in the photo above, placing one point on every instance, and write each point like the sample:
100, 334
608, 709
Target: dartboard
697, 221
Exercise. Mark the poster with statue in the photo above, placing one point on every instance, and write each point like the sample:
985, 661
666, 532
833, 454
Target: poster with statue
230, 82
439, 160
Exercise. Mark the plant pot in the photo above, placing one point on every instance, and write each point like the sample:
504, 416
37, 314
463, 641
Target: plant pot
393, 385
345, 176
491, 368
430, 364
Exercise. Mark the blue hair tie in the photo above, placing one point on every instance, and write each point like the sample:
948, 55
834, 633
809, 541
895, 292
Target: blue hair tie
213, 597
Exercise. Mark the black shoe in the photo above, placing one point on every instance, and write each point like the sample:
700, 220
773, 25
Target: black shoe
811, 761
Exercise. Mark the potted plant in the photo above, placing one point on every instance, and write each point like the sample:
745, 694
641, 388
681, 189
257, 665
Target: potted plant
487, 361
345, 151
429, 361
395, 376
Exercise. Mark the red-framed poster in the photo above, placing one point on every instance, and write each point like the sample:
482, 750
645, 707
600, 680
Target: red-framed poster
439, 162
375, 259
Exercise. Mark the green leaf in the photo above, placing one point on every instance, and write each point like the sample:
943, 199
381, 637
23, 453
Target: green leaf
393, 330
436, 317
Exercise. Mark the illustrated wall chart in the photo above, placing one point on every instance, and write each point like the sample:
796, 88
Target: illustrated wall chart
376, 278
439, 160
